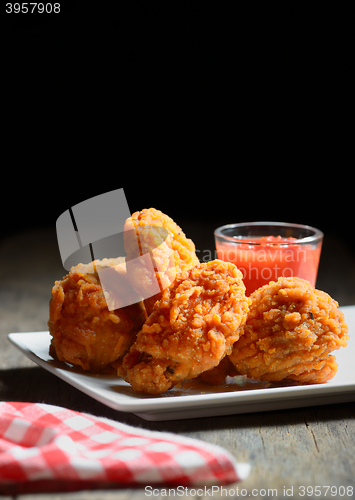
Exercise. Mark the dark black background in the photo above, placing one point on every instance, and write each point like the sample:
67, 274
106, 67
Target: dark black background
210, 113
221, 195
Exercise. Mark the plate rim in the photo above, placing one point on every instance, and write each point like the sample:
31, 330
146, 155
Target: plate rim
183, 402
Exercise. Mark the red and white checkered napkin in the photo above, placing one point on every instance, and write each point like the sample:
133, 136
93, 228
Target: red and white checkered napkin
50, 448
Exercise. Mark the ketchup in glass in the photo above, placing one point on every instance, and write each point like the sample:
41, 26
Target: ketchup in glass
265, 251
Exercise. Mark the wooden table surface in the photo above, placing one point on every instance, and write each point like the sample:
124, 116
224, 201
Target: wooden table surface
287, 449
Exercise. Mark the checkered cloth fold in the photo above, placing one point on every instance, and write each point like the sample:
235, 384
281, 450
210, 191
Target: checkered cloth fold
50, 448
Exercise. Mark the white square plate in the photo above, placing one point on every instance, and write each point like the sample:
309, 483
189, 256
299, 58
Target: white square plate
195, 399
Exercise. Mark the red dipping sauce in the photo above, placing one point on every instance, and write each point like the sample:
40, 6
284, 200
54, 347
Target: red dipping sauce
263, 257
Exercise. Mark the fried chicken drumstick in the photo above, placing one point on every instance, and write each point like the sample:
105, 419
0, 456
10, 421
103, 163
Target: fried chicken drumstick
290, 331
192, 327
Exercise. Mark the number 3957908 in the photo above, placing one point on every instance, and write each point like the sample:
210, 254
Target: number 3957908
32, 8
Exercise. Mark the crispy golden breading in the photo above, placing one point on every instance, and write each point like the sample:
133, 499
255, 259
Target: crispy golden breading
290, 331
192, 327
84, 331
152, 234
218, 374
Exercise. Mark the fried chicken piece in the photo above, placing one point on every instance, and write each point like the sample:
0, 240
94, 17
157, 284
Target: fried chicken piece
290, 331
218, 374
157, 249
84, 331
192, 327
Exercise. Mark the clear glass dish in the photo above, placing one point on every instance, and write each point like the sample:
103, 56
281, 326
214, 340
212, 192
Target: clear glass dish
264, 251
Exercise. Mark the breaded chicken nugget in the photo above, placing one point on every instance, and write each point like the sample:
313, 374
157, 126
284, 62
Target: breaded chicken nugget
192, 327
290, 331
84, 331
157, 249
218, 374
